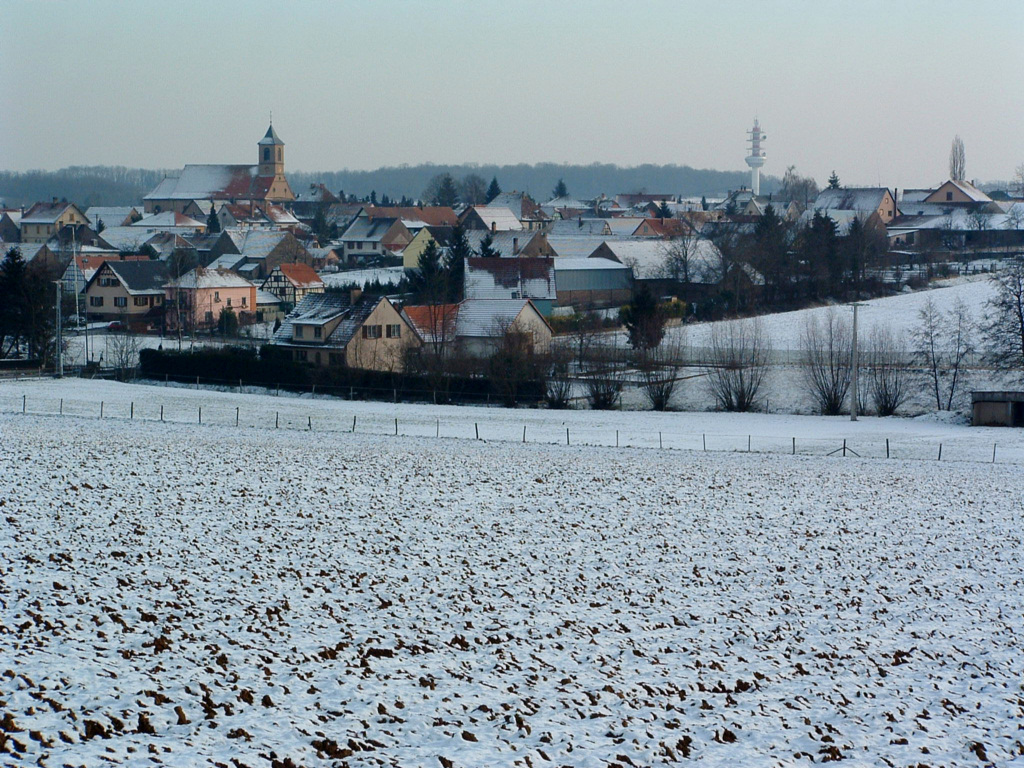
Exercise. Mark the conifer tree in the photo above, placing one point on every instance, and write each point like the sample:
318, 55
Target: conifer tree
493, 190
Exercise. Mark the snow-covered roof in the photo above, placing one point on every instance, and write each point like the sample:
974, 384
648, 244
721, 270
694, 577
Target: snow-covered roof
577, 246
45, 213
510, 278
322, 308
648, 257
575, 227
264, 298
968, 189
842, 219
168, 219
850, 199
127, 238
271, 138
498, 218
596, 263
111, 216
363, 229
487, 318
509, 243
213, 182
200, 278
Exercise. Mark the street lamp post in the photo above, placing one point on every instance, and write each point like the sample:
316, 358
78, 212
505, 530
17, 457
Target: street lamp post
855, 365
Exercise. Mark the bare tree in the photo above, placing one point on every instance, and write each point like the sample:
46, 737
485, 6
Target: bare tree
957, 160
942, 343
739, 364
1004, 322
1017, 185
513, 363
473, 189
659, 370
558, 391
123, 350
603, 380
827, 350
681, 257
886, 362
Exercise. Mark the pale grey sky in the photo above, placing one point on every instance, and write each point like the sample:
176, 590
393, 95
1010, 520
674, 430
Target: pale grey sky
875, 90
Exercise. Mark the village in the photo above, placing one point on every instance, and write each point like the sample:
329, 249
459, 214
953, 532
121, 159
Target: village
442, 287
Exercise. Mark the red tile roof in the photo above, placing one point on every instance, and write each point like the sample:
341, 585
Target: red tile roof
435, 215
301, 275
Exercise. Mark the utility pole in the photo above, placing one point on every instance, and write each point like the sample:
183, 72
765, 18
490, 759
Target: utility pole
60, 332
855, 365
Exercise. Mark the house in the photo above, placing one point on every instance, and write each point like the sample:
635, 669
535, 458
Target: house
10, 226
368, 238
704, 272
264, 182
524, 208
253, 216
580, 227
513, 244
496, 278
475, 327
494, 218
43, 257
43, 220
170, 221
112, 216
861, 199
129, 291
591, 283
662, 228
481, 324
86, 261
431, 215
324, 258
440, 236
343, 329
291, 282
258, 252
960, 193
268, 307
308, 201
197, 299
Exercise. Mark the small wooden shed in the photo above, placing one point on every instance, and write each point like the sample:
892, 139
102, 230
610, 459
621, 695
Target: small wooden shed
997, 409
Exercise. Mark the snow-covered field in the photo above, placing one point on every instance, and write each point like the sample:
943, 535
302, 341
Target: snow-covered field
183, 595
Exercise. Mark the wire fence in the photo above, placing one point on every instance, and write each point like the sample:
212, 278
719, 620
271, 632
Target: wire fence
299, 414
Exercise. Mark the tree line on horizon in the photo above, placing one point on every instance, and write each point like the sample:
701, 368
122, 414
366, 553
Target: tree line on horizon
117, 185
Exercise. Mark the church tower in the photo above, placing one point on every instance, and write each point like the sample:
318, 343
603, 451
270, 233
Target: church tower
271, 150
270, 178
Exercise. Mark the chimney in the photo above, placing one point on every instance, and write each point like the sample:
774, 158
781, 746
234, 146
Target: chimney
355, 295
54, 201
494, 227
515, 245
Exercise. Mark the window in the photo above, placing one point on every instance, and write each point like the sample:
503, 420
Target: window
120, 301
158, 299
95, 301
336, 359
209, 317
141, 301
372, 331
300, 354
949, 195
266, 155
394, 331
216, 295
229, 301
317, 357
245, 299
280, 152
318, 333
298, 331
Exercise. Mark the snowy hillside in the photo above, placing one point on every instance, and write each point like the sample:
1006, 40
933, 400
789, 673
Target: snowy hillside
900, 312
176, 594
